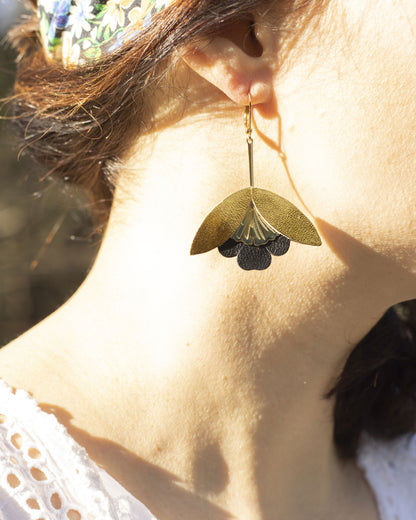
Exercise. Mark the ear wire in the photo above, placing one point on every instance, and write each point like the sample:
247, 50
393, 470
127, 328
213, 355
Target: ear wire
249, 130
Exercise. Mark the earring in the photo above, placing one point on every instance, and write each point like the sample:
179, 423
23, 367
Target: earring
253, 224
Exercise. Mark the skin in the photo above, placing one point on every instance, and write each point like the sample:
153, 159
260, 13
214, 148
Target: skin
199, 386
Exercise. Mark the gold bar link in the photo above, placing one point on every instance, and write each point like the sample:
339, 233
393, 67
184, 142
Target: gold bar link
249, 130
250, 160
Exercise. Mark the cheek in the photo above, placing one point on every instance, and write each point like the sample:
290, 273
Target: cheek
349, 126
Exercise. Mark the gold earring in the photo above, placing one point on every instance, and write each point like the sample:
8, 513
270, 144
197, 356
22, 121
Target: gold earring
253, 224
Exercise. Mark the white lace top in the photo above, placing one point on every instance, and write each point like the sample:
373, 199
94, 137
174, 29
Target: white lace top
46, 475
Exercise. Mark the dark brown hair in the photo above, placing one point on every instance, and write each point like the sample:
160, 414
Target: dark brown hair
79, 122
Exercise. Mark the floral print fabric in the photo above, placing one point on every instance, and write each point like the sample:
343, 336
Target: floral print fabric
76, 32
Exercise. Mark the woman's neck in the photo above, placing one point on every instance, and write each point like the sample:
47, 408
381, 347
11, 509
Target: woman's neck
217, 374
221, 398
220, 390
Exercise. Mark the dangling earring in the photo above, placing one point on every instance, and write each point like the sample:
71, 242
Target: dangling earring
253, 224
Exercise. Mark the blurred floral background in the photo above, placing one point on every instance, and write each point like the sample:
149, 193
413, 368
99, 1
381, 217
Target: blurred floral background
47, 238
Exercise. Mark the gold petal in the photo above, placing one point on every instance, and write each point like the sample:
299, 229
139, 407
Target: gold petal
286, 218
221, 223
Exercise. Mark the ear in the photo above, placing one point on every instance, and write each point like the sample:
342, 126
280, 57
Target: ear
236, 61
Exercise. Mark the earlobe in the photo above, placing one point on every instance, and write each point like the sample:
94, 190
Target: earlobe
230, 65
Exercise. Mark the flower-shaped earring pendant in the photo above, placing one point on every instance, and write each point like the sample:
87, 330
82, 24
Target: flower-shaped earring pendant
253, 224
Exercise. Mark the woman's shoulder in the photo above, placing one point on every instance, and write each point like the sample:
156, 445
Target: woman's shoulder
34, 361
390, 469
21, 362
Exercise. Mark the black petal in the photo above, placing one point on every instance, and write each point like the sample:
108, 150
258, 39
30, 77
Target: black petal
279, 246
254, 257
230, 248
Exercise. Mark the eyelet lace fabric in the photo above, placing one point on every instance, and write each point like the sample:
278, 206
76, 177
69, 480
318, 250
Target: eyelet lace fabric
46, 475
390, 469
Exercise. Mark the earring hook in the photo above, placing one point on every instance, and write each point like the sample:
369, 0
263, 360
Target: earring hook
249, 130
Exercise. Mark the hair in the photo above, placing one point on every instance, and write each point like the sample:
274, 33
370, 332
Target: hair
376, 391
79, 122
